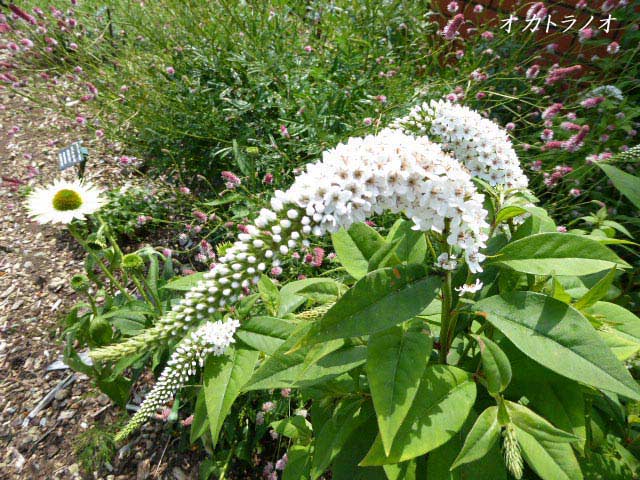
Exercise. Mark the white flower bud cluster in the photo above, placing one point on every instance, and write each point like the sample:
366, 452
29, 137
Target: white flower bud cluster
210, 338
391, 171
480, 144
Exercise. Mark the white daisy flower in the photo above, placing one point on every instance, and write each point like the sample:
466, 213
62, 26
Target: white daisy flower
64, 201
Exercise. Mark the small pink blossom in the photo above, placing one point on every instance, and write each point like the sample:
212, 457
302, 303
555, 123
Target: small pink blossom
546, 135
381, 98
368, 121
268, 179
170, 71
231, 180
459, 54
561, 229
308, 48
276, 271
586, 34
184, 190
187, 421
510, 126
488, 35
575, 192
592, 102
450, 31
613, 48
284, 132
478, 8
453, 7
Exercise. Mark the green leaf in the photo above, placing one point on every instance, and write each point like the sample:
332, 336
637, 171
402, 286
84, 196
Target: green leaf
348, 416
559, 254
378, 301
627, 184
384, 256
558, 292
481, 439
442, 403
299, 463
622, 347
355, 247
265, 334
294, 294
185, 283
512, 211
330, 365
532, 423
200, 422
560, 338
224, 378
396, 360
269, 294
440, 461
597, 292
296, 427
401, 471
496, 365
554, 397
624, 322
412, 244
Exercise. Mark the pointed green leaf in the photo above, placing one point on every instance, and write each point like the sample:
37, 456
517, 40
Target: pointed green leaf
412, 245
355, 247
550, 460
532, 423
442, 403
224, 377
347, 418
557, 336
559, 254
622, 320
269, 294
265, 334
376, 302
483, 435
496, 365
298, 464
627, 184
597, 292
396, 360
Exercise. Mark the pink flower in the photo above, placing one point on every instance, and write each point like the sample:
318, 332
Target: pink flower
381, 98
561, 229
187, 421
184, 190
171, 70
73, 46
318, 257
546, 134
488, 35
285, 392
569, 126
99, 133
308, 48
537, 11
536, 165
231, 180
450, 31
26, 43
51, 41
167, 252
582, 4
592, 102
556, 74
459, 54
368, 121
164, 415
510, 126
586, 34
276, 271
478, 8
453, 7
22, 14
201, 216
268, 179
80, 120
284, 132
552, 111
613, 48
282, 463
575, 192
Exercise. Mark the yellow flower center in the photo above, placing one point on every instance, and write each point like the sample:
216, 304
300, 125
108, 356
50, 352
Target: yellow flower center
66, 200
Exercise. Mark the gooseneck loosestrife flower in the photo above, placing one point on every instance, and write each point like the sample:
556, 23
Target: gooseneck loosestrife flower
480, 144
391, 171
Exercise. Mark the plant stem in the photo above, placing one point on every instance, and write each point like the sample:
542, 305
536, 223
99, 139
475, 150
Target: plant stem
99, 261
445, 318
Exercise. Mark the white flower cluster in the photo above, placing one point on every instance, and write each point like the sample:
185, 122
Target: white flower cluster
210, 338
391, 171
480, 144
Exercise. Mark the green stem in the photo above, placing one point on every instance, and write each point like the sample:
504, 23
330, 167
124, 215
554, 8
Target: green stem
445, 318
99, 261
